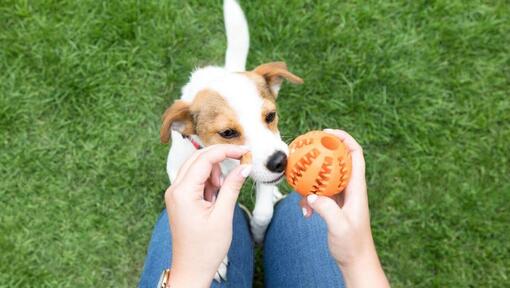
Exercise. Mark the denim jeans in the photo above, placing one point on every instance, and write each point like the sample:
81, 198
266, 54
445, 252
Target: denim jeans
296, 251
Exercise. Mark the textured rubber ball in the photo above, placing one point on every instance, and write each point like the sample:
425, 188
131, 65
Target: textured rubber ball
318, 163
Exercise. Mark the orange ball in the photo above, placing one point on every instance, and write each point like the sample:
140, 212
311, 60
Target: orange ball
318, 163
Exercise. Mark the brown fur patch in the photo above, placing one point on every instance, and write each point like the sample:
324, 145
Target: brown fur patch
207, 115
211, 114
274, 73
267, 95
178, 112
268, 107
261, 85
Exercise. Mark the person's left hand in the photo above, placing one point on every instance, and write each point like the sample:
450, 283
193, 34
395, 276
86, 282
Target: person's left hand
200, 216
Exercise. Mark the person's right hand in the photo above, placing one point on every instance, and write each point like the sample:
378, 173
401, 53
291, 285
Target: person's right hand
201, 222
347, 217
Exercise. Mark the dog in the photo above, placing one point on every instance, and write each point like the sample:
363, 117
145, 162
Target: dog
230, 105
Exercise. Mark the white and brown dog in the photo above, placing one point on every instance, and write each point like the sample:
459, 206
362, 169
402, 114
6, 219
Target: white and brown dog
231, 105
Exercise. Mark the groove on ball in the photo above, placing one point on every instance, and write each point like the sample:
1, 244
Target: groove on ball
329, 142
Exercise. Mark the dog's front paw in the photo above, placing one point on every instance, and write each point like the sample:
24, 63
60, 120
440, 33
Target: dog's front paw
257, 232
259, 225
277, 195
221, 274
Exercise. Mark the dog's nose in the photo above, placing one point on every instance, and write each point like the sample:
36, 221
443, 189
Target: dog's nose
277, 162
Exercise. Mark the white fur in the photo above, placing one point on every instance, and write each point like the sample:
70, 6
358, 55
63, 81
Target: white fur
242, 96
221, 274
238, 37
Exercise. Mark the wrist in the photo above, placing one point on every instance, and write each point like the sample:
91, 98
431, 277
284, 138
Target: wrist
366, 258
364, 271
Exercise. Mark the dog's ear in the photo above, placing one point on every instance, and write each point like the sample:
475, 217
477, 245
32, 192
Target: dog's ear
176, 117
274, 73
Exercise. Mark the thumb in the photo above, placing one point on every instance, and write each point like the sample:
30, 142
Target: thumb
328, 209
227, 197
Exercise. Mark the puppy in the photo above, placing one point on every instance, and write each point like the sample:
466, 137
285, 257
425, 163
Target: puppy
230, 105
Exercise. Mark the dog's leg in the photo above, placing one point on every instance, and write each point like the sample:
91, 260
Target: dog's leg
277, 195
266, 196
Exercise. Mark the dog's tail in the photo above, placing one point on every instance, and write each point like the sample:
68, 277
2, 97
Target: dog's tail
238, 37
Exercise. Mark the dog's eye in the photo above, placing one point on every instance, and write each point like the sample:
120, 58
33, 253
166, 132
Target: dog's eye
229, 133
270, 117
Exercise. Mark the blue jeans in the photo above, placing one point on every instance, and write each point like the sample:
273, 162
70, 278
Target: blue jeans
296, 251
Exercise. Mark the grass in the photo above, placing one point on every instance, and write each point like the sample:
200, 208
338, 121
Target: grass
423, 85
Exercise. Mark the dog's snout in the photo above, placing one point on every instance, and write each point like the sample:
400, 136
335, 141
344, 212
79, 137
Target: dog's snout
277, 162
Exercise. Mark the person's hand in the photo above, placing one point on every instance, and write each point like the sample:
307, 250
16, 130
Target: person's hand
200, 216
347, 217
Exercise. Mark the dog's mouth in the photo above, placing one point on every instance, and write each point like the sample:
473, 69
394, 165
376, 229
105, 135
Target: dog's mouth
274, 181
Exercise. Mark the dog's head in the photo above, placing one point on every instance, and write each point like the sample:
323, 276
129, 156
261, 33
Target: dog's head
222, 107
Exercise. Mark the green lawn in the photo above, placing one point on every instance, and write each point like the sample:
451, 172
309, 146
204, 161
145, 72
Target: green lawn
423, 85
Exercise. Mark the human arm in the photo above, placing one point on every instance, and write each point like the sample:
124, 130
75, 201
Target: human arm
347, 217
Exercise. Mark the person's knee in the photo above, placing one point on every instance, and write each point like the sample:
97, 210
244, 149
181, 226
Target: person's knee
294, 196
290, 201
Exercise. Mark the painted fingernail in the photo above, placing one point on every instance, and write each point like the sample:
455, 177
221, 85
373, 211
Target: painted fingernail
246, 170
311, 198
304, 211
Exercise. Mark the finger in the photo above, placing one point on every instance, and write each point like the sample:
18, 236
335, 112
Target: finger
213, 184
305, 208
185, 166
355, 192
227, 197
358, 161
210, 192
201, 168
346, 138
197, 154
216, 177
328, 209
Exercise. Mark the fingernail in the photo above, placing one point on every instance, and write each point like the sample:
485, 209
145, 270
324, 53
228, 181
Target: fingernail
222, 179
304, 211
311, 198
245, 147
246, 171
